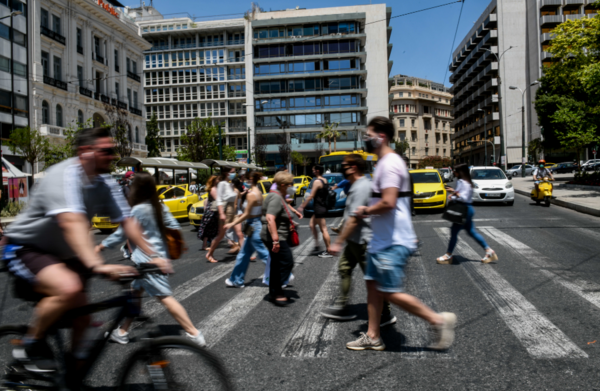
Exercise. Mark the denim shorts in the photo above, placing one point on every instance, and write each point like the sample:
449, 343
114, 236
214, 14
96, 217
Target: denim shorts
386, 267
154, 284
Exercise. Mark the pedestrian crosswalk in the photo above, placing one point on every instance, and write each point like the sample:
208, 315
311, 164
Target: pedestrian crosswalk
313, 336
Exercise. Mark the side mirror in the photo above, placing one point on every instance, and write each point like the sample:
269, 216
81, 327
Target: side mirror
161, 197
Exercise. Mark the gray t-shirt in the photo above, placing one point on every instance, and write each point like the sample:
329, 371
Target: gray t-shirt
65, 188
273, 205
359, 195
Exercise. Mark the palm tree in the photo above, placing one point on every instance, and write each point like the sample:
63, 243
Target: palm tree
335, 134
326, 133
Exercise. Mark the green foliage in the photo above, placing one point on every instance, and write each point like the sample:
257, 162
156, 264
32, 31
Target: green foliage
201, 141
435, 162
29, 143
588, 179
60, 150
535, 147
12, 208
330, 132
299, 159
401, 146
152, 137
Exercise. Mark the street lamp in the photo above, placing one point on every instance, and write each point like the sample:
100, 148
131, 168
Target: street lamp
485, 134
523, 124
500, 100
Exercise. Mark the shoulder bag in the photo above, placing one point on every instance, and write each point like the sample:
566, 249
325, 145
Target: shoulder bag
175, 244
456, 212
293, 239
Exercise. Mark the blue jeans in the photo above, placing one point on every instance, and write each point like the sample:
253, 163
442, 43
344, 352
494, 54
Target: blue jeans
470, 227
386, 267
251, 244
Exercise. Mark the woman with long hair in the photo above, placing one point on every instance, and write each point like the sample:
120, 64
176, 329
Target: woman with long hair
226, 197
252, 214
154, 219
209, 225
464, 194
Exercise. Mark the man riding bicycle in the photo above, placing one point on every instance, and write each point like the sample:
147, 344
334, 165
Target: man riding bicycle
49, 244
540, 172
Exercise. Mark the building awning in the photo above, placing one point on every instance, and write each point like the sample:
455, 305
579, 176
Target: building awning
160, 163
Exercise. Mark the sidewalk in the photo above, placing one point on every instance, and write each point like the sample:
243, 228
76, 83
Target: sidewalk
582, 200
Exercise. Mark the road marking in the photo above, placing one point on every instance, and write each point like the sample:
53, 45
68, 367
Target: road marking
415, 221
333, 224
540, 337
587, 290
314, 335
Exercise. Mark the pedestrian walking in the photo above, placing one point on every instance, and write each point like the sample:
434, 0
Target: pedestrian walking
226, 197
276, 221
320, 189
154, 218
356, 233
392, 243
252, 214
209, 225
464, 194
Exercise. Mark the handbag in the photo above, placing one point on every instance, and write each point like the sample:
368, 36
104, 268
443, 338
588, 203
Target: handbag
293, 239
456, 212
175, 244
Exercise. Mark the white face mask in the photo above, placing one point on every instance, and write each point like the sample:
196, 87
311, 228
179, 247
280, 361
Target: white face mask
291, 191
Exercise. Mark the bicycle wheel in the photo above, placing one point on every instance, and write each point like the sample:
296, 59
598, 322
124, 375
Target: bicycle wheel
173, 363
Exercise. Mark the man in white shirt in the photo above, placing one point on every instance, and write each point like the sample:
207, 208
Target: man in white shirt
393, 242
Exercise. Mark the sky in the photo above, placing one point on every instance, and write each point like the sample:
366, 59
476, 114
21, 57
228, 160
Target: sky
422, 41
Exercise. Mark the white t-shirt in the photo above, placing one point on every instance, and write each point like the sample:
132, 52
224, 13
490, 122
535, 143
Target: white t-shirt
394, 227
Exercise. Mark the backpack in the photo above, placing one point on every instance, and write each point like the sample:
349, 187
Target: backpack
331, 198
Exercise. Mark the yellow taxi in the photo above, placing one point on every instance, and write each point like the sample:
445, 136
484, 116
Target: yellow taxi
549, 165
264, 186
429, 189
197, 210
301, 184
178, 199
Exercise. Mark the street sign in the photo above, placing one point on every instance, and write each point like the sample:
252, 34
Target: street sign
503, 159
497, 140
524, 160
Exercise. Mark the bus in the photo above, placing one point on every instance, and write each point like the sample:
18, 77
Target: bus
333, 161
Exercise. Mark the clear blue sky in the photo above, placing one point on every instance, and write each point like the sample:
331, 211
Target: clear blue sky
422, 41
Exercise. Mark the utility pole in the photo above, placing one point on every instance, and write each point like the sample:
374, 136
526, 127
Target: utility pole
249, 160
484, 134
523, 158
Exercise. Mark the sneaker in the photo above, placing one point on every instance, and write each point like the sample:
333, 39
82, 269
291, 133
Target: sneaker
117, 337
443, 335
125, 251
338, 312
230, 284
199, 339
289, 281
364, 342
325, 254
444, 260
490, 256
35, 357
387, 319
315, 251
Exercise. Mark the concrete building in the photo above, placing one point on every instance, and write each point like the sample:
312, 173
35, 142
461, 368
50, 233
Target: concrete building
14, 65
490, 58
422, 114
86, 64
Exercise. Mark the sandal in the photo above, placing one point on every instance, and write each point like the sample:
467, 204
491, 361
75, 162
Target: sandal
211, 259
445, 259
235, 249
490, 256
253, 259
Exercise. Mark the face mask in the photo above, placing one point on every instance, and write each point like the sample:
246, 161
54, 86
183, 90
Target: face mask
346, 175
541, 166
232, 176
291, 191
372, 143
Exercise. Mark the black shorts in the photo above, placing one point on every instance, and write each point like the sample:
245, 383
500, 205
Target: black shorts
320, 213
29, 261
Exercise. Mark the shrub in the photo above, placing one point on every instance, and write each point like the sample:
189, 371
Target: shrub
12, 209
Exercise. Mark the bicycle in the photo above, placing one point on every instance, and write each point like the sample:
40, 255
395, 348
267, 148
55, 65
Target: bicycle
161, 363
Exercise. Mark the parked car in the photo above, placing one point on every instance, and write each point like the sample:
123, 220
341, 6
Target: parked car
446, 174
301, 184
340, 198
491, 185
564, 168
591, 167
516, 170
589, 163
429, 189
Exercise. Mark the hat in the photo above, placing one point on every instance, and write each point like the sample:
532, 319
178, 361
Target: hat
129, 174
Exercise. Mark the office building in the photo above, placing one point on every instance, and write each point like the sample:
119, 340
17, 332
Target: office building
422, 114
87, 58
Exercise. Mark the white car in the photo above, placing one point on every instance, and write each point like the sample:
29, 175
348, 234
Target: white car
590, 162
490, 184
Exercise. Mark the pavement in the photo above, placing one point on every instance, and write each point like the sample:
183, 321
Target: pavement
529, 321
584, 199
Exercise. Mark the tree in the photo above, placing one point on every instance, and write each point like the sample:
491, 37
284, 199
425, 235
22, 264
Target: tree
335, 134
118, 121
260, 149
435, 162
29, 143
327, 133
153, 140
568, 101
285, 150
535, 148
201, 141
300, 159
61, 149
401, 146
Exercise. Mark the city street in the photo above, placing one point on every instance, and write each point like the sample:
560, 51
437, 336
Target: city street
529, 321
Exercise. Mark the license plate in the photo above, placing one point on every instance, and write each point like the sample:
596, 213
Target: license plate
105, 219
493, 195
418, 201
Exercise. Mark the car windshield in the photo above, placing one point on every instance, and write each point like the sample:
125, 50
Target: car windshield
297, 180
331, 180
487, 175
443, 170
425, 177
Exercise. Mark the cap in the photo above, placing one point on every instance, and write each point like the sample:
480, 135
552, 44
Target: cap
128, 174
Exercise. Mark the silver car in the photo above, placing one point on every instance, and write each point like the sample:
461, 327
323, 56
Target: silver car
516, 170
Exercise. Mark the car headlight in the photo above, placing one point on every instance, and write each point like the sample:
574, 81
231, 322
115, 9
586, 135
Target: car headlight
440, 192
509, 185
193, 210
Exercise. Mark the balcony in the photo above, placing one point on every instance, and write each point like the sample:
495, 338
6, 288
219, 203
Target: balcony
135, 111
52, 35
237, 129
236, 77
79, 49
575, 17
55, 83
84, 91
99, 58
546, 37
546, 56
50, 130
104, 99
140, 147
211, 44
235, 42
133, 76
574, 2
121, 105
236, 95
184, 46
551, 20
237, 112
550, 4
158, 48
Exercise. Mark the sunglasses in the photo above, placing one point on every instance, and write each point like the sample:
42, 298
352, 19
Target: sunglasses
107, 151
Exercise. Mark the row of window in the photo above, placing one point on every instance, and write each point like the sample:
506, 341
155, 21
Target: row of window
307, 119
181, 126
301, 85
402, 124
190, 110
194, 93
194, 57
409, 94
20, 104
306, 67
187, 76
307, 102
308, 137
404, 108
307, 30
443, 113
16, 5
307, 49
19, 69
203, 40
13, 35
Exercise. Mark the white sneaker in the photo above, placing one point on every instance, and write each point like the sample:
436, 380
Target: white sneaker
199, 339
289, 281
117, 337
229, 283
443, 335
125, 251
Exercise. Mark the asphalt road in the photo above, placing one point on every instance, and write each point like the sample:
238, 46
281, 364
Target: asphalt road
529, 321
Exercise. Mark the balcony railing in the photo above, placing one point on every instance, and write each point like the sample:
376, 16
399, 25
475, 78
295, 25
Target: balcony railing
133, 76
85, 91
235, 42
121, 105
211, 44
140, 147
104, 99
236, 95
575, 16
53, 35
236, 77
135, 111
184, 46
50, 130
232, 129
551, 19
99, 58
237, 112
55, 83
79, 49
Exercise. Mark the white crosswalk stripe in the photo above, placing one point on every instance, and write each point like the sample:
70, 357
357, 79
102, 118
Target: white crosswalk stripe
587, 290
540, 337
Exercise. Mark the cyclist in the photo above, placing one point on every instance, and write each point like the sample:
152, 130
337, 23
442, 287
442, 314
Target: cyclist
50, 247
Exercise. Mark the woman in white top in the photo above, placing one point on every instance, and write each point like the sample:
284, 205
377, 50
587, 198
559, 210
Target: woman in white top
464, 194
252, 214
226, 197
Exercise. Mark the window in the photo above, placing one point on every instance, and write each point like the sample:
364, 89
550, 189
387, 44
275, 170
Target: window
412, 123
59, 116
19, 38
129, 97
117, 60
45, 18
129, 64
79, 37
80, 116
135, 99
117, 90
45, 113
80, 75
401, 123
4, 64
57, 68
20, 69
56, 24
137, 134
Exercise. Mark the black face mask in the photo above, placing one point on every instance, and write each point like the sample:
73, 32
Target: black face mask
346, 176
371, 144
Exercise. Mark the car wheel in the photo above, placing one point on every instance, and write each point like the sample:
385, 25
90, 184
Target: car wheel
514, 174
510, 203
106, 230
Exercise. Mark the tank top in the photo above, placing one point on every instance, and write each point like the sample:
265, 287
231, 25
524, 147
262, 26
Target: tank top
321, 196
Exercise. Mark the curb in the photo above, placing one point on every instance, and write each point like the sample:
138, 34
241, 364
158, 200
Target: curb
564, 204
577, 187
